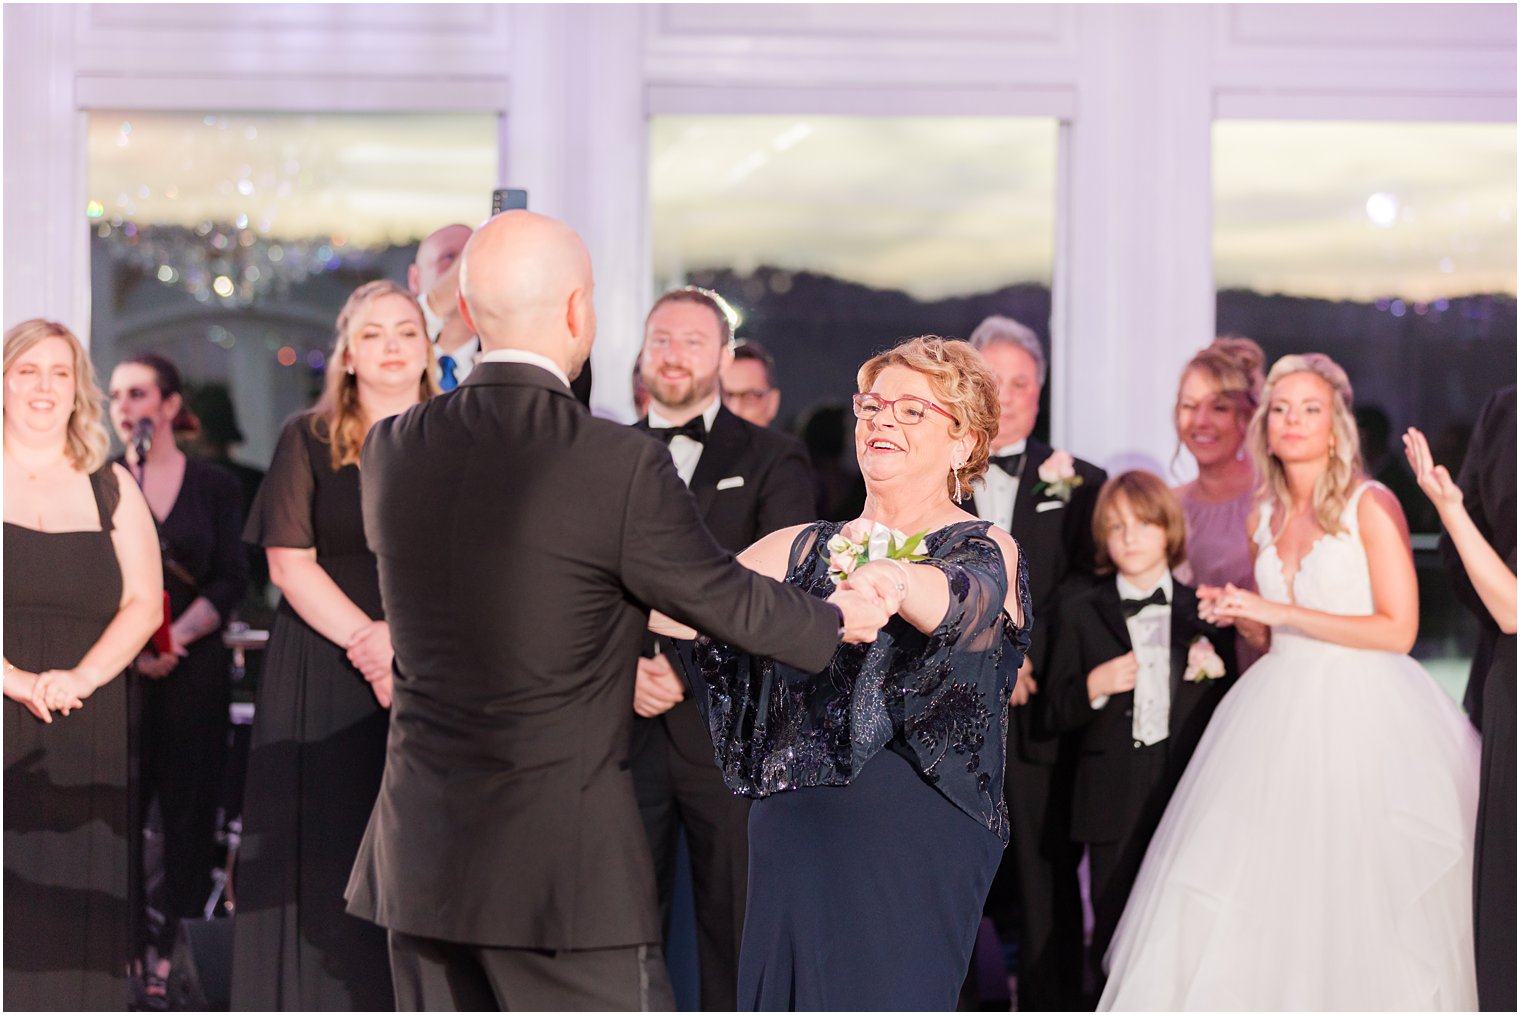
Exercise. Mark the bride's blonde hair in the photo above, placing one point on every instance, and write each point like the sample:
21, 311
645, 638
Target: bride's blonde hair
1336, 484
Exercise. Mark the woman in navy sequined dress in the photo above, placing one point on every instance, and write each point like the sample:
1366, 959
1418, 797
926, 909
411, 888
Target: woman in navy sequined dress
879, 821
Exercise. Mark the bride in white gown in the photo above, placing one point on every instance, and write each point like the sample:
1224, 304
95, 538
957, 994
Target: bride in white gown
1317, 854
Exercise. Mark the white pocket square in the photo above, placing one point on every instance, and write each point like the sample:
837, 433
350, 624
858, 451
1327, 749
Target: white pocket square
1049, 505
730, 483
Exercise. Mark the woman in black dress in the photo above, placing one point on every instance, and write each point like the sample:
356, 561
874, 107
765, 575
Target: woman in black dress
1493, 578
320, 725
83, 592
866, 885
185, 691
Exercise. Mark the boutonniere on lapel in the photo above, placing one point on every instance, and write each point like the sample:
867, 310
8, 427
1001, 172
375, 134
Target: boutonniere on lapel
1203, 663
863, 541
1058, 477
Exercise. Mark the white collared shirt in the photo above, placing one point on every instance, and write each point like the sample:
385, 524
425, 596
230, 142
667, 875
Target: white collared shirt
996, 491
524, 356
684, 451
464, 357
432, 321
1150, 636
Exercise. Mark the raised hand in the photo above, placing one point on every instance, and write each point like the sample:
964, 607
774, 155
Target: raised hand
1113, 677
656, 687
863, 615
1437, 483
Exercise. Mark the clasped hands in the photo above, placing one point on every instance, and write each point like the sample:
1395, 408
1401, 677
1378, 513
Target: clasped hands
866, 601
369, 649
1243, 609
157, 665
869, 596
49, 691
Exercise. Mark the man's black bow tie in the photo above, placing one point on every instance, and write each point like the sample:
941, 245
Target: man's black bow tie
695, 428
1011, 464
1134, 606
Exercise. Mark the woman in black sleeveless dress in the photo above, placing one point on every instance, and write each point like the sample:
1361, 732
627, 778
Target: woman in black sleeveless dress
82, 594
320, 725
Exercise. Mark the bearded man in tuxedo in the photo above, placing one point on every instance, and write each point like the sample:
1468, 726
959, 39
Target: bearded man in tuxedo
748, 482
1045, 499
521, 545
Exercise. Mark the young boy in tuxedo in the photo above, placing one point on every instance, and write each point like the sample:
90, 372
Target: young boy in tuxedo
1139, 674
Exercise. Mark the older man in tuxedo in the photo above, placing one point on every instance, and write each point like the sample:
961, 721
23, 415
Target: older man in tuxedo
1045, 499
748, 482
521, 544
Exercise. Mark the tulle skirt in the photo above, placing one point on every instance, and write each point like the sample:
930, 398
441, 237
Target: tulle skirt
1317, 854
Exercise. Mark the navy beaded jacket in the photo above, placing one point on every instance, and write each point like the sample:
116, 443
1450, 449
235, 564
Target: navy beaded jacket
940, 700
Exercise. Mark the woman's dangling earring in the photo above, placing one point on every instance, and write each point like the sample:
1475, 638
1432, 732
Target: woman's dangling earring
955, 478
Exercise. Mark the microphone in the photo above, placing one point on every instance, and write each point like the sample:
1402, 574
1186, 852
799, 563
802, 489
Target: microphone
142, 438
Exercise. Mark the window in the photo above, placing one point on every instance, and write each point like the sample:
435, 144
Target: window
1390, 247
835, 236
228, 242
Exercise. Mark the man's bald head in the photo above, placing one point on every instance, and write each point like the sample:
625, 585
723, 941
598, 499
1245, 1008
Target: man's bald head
436, 254
526, 284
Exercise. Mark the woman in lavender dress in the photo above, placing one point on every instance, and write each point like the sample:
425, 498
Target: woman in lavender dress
1218, 393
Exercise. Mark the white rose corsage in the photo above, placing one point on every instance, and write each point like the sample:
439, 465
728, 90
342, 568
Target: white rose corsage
1058, 476
1203, 663
862, 541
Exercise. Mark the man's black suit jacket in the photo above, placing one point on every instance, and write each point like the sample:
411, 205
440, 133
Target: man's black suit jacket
1109, 797
1487, 479
767, 485
1055, 538
521, 543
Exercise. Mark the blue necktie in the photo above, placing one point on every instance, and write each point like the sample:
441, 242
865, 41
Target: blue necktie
446, 379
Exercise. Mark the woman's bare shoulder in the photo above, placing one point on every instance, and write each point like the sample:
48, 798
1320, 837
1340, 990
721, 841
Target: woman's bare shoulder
771, 554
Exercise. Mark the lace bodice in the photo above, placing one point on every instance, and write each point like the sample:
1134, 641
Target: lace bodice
1333, 577
939, 699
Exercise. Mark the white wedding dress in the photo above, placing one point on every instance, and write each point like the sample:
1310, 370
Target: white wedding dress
1317, 854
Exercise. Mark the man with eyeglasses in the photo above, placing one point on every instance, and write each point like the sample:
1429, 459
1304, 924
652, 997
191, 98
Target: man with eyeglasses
1052, 522
748, 482
749, 384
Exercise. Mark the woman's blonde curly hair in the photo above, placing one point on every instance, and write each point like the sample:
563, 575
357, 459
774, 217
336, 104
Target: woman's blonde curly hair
963, 384
86, 442
1335, 486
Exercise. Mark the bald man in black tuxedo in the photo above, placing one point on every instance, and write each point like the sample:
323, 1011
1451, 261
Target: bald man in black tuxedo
505, 853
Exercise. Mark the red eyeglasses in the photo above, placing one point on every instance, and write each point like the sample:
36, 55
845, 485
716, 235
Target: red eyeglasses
907, 410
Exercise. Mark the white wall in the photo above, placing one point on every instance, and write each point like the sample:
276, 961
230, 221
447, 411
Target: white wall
1139, 87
